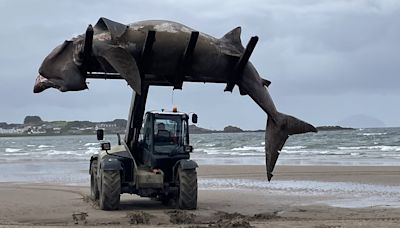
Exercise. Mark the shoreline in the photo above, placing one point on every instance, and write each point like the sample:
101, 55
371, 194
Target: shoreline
208, 131
301, 196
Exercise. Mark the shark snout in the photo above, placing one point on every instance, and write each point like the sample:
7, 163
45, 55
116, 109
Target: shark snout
42, 83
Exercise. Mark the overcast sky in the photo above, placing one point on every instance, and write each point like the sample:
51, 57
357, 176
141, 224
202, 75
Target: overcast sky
328, 60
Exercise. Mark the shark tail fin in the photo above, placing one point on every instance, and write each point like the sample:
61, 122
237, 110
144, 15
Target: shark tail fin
277, 132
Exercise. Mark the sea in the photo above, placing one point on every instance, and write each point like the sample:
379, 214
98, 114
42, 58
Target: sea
65, 160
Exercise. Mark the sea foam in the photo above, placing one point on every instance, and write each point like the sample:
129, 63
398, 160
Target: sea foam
12, 150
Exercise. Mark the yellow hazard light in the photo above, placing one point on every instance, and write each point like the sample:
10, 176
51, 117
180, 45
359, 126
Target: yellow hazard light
174, 109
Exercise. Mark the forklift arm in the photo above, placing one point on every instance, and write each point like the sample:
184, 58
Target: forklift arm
135, 118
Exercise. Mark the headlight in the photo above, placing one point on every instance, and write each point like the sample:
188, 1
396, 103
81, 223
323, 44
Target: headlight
105, 146
188, 148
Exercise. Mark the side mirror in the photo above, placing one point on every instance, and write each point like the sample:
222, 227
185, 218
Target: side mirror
100, 134
194, 118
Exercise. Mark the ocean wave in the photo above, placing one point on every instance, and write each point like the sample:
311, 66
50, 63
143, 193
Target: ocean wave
373, 134
293, 151
62, 152
351, 147
328, 152
17, 154
357, 153
381, 148
229, 153
388, 148
92, 150
91, 144
294, 147
45, 146
12, 150
49, 154
320, 152
246, 154
210, 144
208, 151
249, 148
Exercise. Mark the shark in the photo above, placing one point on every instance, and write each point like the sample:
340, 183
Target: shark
166, 53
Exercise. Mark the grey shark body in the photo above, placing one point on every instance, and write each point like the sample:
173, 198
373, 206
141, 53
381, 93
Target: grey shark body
118, 48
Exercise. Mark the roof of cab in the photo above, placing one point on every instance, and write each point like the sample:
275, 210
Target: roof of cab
166, 112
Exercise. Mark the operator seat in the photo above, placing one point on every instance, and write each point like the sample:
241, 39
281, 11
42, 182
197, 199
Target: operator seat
163, 133
163, 136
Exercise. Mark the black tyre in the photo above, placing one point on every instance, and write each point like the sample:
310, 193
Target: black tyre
187, 196
94, 189
110, 190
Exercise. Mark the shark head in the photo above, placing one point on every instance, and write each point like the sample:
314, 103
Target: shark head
65, 68
60, 71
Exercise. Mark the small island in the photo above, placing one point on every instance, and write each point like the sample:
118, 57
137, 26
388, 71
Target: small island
193, 129
333, 128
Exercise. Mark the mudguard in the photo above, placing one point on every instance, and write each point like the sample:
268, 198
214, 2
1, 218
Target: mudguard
92, 158
110, 163
185, 164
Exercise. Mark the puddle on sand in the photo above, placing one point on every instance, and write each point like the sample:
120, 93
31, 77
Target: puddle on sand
339, 194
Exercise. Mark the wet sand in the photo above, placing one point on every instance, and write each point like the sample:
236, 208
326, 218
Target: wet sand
240, 196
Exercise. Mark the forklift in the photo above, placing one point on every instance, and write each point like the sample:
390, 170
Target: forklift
153, 164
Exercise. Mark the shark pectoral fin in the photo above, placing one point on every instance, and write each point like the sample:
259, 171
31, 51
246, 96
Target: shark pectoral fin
276, 134
122, 62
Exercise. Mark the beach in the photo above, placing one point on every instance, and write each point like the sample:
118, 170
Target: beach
229, 196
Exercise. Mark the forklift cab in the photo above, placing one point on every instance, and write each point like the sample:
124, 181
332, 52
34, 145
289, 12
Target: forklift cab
165, 139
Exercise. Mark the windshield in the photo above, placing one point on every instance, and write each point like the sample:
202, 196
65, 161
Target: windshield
169, 134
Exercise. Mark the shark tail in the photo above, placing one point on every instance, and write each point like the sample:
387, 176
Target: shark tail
277, 132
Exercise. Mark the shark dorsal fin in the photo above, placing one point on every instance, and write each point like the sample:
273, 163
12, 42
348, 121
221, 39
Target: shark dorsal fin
232, 43
116, 29
234, 36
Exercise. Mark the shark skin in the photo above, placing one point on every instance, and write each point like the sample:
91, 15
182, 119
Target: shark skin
117, 48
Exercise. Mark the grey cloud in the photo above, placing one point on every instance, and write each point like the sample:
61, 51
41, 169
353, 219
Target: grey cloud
326, 55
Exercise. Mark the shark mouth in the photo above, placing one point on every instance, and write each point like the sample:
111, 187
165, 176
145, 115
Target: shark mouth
42, 83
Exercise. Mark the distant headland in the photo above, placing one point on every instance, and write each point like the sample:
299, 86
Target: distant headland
35, 126
232, 129
333, 128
